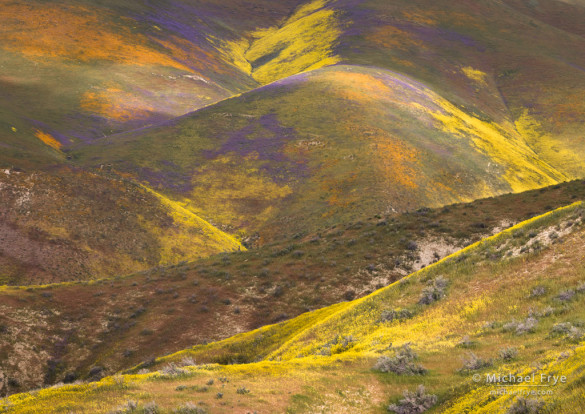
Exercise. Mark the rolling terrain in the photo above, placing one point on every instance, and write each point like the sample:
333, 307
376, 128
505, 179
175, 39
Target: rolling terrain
300, 108
487, 308
67, 224
61, 332
302, 206
416, 104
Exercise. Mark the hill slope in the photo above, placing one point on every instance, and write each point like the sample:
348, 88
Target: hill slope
301, 152
427, 103
67, 224
79, 70
529, 306
119, 322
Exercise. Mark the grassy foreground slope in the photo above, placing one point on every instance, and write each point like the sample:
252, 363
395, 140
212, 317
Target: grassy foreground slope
322, 361
61, 332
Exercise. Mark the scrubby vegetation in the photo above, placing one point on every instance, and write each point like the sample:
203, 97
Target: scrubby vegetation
414, 402
483, 296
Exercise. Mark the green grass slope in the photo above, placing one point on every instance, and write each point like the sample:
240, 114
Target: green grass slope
324, 361
61, 331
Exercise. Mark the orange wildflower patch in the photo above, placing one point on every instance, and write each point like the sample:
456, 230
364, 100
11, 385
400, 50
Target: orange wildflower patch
397, 160
390, 37
114, 103
75, 33
420, 17
48, 139
196, 56
359, 87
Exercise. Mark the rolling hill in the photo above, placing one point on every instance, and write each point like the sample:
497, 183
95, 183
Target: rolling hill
416, 104
66, 224
302, 206
489, 308
78, 70
60, 332
301, 107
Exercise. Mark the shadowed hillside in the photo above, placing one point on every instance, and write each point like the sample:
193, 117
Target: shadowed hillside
78, 70
67, 224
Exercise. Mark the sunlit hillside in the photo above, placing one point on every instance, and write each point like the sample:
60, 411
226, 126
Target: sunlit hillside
116, 323
416, 104
490, 308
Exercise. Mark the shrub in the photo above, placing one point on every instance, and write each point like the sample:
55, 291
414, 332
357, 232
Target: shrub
414, 402
568, 330
96, 373
526, 406
522, 327
538, 291
411, 245
508, 354
548, 311
151, 408
188, 362
337, 345
402, 363
278, 291
466, 342
298, 254
566, 295
243, 390
129, 407
395, 314
434, 291
474, 363
189, 408
172, 370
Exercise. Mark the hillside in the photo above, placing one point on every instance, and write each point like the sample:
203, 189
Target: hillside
517, 311
301, 153
60, 332
415, 103
300, 107
297, 206
78, 70
66, 224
